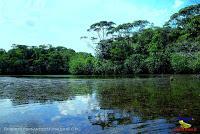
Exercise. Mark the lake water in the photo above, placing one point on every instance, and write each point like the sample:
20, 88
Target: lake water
69, 104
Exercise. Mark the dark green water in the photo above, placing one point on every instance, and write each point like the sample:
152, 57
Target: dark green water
58, 104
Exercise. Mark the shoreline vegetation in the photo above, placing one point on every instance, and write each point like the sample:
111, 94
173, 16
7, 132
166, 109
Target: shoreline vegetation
130, 48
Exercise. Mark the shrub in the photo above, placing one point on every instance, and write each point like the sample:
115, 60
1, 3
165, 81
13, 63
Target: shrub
181, 62
134, 64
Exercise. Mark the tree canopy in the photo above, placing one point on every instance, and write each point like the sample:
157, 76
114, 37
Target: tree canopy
129, 48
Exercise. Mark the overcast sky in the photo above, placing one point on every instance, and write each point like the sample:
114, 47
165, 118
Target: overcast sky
62, 22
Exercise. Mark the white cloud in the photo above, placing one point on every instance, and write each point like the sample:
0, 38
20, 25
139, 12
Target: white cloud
80, 105
178, 3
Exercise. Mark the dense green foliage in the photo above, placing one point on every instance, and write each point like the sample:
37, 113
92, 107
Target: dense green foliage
81, 63
137, 47
22, 59
140, 47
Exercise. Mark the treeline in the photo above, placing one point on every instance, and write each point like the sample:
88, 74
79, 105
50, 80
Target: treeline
45, 59
141, 47
129, 48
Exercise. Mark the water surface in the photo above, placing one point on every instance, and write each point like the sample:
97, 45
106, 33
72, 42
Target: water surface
59, 104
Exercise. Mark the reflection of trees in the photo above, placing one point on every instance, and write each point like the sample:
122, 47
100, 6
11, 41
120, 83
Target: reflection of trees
151, 98
24, 91
147, 97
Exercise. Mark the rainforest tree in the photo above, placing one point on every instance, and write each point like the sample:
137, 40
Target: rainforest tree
128, 48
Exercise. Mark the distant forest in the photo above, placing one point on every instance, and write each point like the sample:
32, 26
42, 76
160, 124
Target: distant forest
129, 48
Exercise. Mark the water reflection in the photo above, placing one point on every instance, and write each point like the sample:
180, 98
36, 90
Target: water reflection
120, 105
